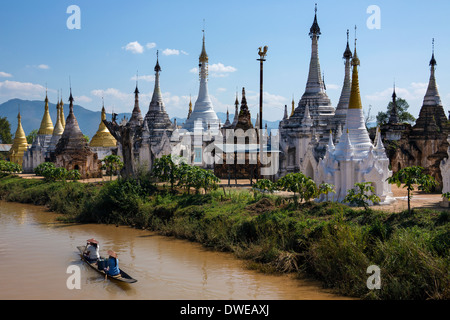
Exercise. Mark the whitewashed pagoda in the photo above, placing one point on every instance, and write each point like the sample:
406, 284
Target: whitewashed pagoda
355, 159
304, 135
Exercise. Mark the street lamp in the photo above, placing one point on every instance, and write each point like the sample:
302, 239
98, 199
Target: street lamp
262, 54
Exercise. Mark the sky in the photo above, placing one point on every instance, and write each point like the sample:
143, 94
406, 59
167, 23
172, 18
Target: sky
118, 40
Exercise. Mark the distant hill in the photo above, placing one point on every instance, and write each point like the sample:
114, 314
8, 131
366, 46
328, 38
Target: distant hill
32, 112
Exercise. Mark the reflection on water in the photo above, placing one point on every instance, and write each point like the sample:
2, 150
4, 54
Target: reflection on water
36, 250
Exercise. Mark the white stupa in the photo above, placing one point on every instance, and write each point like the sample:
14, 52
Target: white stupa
355, 159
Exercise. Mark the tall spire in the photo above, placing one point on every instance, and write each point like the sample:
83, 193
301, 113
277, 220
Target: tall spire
355, 97
157, 117
46, 127
355, 122
203, 108
293, 106
432, 117
393, 115
157, 103
342, 106
236, 111
190, 107
61, 109
136, 118
59, 129
315, 88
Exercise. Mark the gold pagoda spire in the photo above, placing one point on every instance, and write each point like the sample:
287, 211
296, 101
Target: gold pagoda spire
103, 138
355, 96
203, 56
59, 129
46, 123
19, 145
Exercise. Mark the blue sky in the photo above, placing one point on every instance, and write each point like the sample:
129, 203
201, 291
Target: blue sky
119, 38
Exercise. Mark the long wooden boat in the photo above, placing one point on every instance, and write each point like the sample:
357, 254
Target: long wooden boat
122, 277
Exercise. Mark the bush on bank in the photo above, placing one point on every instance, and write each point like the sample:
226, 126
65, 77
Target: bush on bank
330, 241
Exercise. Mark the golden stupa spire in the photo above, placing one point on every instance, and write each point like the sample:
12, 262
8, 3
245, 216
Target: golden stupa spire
46, 123
203, 56
59, 129
103, 138
355, 96
19, 145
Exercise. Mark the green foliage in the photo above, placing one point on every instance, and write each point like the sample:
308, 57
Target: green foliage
9, 167
173, 170
52, 173
361, 195
112, 164
5, 131
326, 188
299, 184
403, 115
411, 176
265, 185
31, 136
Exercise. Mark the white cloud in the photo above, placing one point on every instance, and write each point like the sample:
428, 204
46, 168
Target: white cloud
150, 45
148, 78
82, 99
134, 47
22, 90
194, 70
43, 67
220, 67
171, 52
221, 89
5, 75
184, 52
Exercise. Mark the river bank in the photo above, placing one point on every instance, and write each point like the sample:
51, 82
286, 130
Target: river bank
330, 242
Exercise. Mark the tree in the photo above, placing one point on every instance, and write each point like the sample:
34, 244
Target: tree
166, 170
5, 131
326, 188
403, 115
112, 164
411, 176
32, 136
9, 167
265, 185
86, 138
298, 183
361, 195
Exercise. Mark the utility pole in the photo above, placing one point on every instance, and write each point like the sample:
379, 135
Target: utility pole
262, 54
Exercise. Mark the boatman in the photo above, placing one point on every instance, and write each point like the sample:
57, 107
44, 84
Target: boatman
91, 253
112, 268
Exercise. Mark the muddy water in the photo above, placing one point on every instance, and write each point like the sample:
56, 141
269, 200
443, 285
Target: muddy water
36, 252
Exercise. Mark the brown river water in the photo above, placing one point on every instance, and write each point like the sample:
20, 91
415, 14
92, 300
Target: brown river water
36, 252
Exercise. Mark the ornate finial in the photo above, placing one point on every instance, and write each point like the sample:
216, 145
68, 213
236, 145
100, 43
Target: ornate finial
355, 60
203, 55
348, 52
433, 60
315, 29
323, 79
394, 95
157, 67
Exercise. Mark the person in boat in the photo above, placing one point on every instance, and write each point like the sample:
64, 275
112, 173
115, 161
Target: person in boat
112, 267
92, 251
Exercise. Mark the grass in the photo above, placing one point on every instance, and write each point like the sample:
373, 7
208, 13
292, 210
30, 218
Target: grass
328, 241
